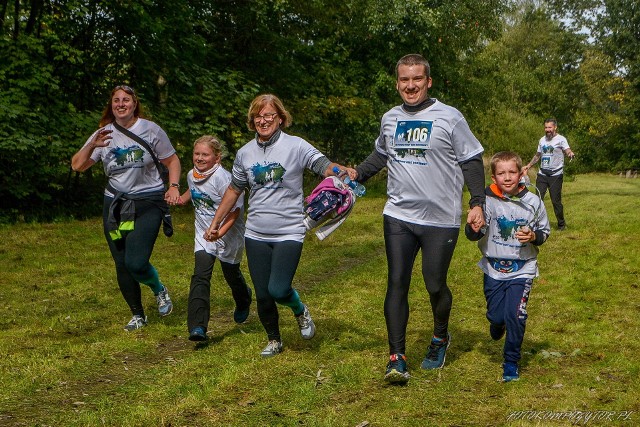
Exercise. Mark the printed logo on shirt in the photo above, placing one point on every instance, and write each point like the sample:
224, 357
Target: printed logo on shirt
507, 229
506, 265
265, 173
547, 151
202, 202
412, 140
124, 156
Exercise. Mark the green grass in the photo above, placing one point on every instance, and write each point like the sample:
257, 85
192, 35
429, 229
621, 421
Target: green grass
65, 360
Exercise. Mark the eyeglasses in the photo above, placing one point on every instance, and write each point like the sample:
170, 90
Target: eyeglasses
269, 117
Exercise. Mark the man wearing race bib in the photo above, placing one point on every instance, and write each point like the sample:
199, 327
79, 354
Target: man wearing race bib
552, 148
430, 153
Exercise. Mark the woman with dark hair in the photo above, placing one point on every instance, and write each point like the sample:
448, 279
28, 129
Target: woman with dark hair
135, 201
271, 166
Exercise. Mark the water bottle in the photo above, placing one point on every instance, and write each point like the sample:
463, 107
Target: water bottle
358, 189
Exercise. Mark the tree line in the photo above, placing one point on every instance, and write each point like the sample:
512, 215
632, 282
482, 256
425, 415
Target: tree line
196, 65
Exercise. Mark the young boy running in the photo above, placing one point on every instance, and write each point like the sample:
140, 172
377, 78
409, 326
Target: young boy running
516, 224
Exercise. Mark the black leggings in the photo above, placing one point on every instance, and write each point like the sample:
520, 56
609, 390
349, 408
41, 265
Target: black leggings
200, 291
403, 240
272, 266
132, 252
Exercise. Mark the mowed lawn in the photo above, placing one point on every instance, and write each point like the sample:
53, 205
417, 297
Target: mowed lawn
65, 359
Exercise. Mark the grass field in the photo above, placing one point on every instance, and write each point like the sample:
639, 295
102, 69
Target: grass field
66, 361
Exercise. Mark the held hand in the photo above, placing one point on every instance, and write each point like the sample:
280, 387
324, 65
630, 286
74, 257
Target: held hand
172, 196
353, 174
212, 234
475, 218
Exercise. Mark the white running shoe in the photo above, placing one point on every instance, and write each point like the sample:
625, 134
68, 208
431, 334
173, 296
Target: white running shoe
273, 348
305, 322
165, 306
136, 322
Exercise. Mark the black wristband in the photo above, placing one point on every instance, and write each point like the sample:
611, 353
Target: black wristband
174, 184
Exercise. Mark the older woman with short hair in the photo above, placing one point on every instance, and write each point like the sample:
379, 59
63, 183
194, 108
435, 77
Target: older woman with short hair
271, 166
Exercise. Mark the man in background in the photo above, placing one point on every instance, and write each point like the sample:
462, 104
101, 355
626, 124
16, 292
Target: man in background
552, 148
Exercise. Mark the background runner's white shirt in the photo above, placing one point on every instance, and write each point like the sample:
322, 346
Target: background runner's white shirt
552, 154
274, 175
423, 149
503, 218
206, 197
128, 164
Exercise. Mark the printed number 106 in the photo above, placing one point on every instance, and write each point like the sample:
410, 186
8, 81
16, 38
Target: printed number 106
418, 134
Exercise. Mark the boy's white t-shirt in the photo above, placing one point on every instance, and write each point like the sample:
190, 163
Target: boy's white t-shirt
500, 245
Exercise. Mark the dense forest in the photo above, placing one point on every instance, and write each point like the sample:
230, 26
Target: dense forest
196, 65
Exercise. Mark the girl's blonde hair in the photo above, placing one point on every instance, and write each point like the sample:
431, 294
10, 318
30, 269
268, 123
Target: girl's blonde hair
212, 142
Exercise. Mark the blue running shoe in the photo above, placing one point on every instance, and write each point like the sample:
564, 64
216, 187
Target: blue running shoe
436, 353
496, 331
397, 369
198, 334
510, 372
240, 315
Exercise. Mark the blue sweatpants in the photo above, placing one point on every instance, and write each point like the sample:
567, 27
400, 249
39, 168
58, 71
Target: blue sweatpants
507, 305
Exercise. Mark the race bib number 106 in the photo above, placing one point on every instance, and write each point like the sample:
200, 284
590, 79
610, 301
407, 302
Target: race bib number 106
413, 135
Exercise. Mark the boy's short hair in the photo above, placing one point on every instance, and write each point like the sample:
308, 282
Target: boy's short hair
505, 156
